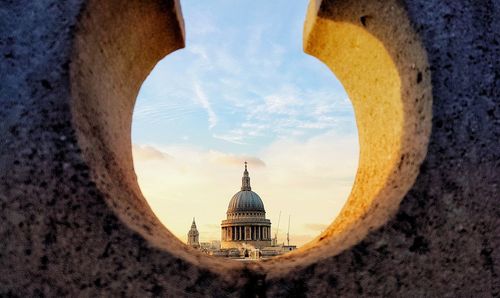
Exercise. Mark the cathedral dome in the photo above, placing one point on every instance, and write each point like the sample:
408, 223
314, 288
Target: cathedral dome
246, 222
245, 200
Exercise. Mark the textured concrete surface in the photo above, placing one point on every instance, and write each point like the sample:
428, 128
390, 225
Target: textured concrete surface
74, 223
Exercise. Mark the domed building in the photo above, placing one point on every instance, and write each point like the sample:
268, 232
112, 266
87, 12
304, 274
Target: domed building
246, 223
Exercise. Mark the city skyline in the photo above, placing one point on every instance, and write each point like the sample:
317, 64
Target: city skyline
244, 92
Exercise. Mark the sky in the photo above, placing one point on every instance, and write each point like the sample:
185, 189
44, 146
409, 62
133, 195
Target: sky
244, 90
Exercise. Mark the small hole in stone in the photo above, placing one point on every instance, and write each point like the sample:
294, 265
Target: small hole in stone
364, 20
419, 77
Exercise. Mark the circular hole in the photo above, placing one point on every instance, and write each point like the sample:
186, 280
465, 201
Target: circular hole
243, 90
381, 63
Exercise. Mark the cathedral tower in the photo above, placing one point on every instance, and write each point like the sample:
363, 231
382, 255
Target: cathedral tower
193, 236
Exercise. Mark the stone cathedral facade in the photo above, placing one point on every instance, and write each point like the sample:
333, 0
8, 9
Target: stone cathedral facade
246, 224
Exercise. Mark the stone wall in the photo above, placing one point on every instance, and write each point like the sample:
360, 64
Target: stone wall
425, 221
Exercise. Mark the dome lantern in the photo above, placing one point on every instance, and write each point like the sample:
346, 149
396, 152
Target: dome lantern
245, 180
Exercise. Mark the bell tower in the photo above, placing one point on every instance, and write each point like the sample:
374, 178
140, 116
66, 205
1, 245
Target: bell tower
193, 236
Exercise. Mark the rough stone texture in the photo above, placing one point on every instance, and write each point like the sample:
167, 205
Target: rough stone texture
73, 221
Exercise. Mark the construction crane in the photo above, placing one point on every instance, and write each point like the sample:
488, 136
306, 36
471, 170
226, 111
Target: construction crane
277, 229
288, 232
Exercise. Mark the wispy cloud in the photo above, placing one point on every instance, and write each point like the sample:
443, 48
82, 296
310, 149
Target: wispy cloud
233, 136
143, 153
281, 104
200, 52
202, 99
236, 159
157, 111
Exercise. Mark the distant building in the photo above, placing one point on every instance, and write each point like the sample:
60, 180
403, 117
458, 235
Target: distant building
193, 236
246, 233
246, 225
276, 250
210, 246
215, 244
